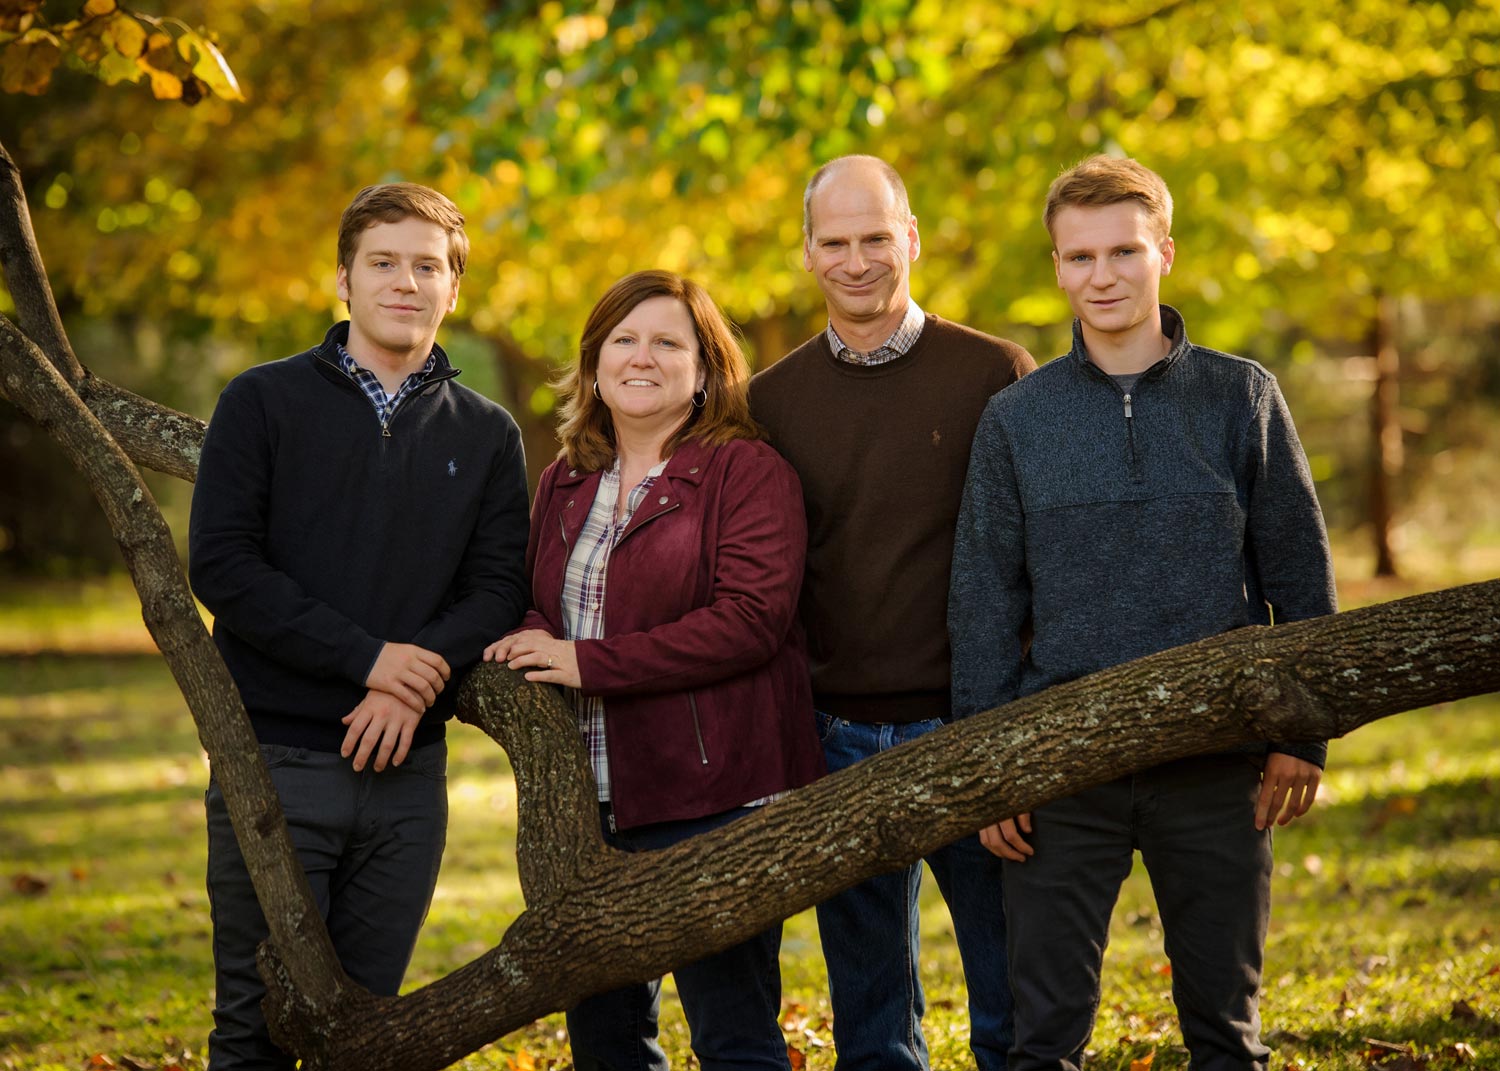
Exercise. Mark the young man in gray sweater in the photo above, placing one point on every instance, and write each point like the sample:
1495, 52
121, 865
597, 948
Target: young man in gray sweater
1138, 493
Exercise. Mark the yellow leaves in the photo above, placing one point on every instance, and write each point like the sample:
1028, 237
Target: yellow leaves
16, 16
209, 66
164, 84
115, 45
29, 61
124, 35
1143, 1063
577, 32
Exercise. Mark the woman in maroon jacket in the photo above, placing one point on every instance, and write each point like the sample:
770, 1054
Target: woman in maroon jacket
666, 556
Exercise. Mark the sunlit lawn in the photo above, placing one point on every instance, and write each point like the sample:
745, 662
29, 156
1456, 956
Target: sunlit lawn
1387, 899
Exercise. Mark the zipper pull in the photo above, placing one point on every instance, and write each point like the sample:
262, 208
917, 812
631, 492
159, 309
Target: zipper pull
611, 819
1127, 407
385, 427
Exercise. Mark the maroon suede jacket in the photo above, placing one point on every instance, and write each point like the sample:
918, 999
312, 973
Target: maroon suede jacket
707, 697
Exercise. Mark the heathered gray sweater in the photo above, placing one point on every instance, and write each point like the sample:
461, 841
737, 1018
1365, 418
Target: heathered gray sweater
1122, 524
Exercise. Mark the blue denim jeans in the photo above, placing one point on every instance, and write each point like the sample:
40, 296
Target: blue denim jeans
731, 999
871, 943
1193, 823
371, 844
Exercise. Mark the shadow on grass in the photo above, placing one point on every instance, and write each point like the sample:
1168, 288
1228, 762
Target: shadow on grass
1435, 815
52, 672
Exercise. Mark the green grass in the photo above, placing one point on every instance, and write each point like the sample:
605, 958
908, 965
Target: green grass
1385, 927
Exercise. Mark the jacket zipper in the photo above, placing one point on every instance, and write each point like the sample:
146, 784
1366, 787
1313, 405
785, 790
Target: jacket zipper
626, 535
697, 728
385, 421
1135, 461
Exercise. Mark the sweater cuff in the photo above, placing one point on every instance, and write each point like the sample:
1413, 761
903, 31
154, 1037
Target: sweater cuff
1314, 751
361, 659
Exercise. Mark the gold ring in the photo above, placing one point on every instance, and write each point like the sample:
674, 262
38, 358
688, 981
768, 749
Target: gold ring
549, 661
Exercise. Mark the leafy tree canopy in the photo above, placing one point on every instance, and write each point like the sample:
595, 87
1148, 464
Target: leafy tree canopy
1317, 154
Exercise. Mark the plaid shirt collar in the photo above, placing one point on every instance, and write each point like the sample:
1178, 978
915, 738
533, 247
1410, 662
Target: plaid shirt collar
384, 404
898, 345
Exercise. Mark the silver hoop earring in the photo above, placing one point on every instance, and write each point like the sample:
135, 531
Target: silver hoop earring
596, 391
699, 398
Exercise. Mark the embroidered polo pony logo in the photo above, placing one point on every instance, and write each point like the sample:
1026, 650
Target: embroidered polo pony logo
453, 466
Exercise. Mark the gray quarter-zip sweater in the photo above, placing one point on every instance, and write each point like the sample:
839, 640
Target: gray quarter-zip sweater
1124, 523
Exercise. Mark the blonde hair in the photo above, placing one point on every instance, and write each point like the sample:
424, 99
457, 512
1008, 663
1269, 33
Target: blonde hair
585, 425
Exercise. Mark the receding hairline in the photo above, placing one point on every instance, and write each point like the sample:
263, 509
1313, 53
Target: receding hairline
864, 161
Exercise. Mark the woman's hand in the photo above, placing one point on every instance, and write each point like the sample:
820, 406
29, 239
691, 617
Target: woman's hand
549, 659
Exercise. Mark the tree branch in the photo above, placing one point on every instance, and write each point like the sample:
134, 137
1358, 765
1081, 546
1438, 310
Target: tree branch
154, 436
26, 277
601, 918
40, 390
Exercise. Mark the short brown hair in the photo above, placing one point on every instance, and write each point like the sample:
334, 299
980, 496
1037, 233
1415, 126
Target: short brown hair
1108, 180
585, 426
391, 202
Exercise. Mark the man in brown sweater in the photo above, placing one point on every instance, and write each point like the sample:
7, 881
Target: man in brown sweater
876, 413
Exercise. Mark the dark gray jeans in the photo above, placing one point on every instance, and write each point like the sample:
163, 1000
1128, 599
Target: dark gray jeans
371, 844
1193, 823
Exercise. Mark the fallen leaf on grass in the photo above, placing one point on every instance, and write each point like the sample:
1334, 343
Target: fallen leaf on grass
796, 1057
1165, 970
521, 1061
1396, 807
1463, 1011
29, 884
101, 1062
1143, 1063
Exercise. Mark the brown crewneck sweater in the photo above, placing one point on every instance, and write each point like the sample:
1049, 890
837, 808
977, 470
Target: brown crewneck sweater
882, 452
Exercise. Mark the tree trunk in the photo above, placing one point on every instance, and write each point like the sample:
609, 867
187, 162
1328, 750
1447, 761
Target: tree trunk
1386, 454
598, 918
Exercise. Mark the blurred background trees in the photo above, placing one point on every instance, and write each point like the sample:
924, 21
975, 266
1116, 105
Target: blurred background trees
1336, 174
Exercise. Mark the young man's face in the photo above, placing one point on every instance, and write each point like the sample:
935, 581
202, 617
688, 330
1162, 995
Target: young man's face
1110, 261
399, 286
861, 247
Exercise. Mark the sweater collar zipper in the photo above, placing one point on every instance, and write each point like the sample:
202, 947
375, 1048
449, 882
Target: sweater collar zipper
439, 375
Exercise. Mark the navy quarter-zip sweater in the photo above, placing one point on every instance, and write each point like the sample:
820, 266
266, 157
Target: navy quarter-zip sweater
316, 536
1122, 524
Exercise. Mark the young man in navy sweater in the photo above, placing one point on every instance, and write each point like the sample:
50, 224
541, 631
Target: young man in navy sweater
1135, 494
358, 531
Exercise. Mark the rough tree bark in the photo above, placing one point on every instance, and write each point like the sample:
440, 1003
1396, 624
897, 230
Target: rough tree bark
40, 374
597, 918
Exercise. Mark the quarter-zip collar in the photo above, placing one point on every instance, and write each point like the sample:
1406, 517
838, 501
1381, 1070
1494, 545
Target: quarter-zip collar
1176, 331
1172, 327
327, 361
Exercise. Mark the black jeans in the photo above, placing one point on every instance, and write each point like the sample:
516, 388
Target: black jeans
371, 844
1193, 823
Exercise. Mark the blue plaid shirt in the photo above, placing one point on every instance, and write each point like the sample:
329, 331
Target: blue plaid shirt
385, 405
